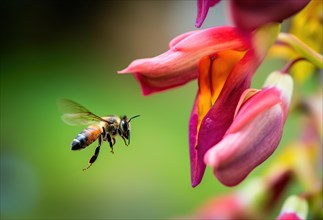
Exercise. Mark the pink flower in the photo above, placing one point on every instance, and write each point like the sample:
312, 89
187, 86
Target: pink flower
222, 79
224, 60
255, 131
251, 14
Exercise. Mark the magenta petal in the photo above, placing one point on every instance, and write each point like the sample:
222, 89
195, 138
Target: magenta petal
251, 14
151, 85
179, 64
248, 144
257, 150
197, 165
220, 116
202, 10
215, 124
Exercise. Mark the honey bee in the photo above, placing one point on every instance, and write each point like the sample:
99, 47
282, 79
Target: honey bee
102, 128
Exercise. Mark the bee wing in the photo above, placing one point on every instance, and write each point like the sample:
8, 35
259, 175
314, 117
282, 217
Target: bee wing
76, 114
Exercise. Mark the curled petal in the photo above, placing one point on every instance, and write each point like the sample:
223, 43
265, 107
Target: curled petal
239, 153
248, 93
255, 132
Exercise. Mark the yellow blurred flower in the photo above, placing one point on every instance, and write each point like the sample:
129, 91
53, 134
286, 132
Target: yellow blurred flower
307, 26
303, 157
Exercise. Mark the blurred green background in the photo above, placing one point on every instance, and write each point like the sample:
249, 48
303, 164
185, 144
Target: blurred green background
51, 50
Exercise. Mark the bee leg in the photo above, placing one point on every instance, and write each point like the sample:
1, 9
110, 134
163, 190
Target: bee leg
125, 141
95, 155
110, 142
103, 132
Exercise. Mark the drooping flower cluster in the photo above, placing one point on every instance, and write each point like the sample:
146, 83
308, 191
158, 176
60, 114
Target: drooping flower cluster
233, 128
224, 60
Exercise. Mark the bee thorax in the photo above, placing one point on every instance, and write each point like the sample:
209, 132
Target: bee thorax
112, 129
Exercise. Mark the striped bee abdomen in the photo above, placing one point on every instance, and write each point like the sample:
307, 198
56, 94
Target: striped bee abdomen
86, 137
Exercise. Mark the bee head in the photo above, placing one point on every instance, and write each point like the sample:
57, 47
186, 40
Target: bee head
125, 127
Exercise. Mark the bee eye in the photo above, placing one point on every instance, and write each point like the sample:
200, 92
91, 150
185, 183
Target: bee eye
124, 126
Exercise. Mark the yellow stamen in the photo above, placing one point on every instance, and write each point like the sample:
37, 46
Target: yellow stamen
213, 73
221, 68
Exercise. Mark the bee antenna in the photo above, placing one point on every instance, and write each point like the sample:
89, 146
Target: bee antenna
133, 117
